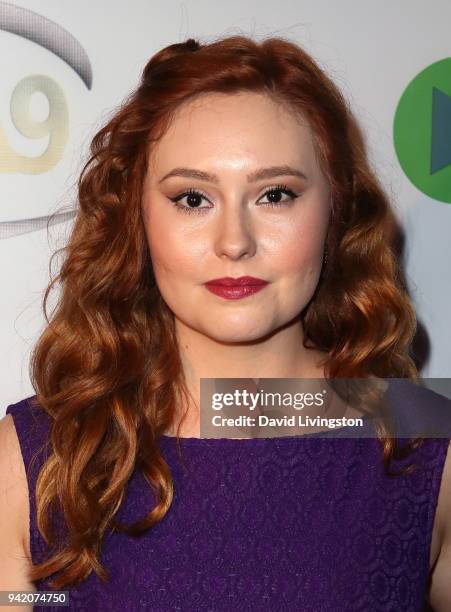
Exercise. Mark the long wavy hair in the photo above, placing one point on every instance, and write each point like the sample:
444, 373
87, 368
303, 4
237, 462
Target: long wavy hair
106, 368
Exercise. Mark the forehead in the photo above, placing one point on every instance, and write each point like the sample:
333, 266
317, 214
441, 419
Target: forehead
230, 127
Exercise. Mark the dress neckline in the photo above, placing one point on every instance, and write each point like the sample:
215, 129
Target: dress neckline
260, 439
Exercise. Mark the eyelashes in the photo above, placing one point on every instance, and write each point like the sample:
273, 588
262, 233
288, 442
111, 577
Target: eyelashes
197, 210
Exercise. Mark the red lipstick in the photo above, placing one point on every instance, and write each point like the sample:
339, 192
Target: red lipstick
235, 288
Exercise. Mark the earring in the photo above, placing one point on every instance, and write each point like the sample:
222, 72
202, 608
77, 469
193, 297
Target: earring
323, 267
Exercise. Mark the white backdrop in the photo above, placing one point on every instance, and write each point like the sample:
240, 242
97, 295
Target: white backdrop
372, 50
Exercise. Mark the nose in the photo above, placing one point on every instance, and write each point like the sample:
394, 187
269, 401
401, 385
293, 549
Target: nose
235, 235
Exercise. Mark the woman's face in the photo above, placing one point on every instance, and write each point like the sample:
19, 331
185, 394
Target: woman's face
259, 207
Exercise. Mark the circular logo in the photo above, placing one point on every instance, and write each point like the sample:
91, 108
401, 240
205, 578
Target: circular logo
422, 131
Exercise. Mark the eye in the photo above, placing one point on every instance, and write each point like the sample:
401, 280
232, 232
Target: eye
277, 189
194, 197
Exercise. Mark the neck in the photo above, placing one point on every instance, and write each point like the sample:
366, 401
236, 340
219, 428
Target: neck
280, 355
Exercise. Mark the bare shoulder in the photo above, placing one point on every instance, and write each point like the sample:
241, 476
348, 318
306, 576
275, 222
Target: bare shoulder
440, 559
14, 512
13, 480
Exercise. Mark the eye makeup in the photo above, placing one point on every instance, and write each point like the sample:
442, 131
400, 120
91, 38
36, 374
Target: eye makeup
198, 193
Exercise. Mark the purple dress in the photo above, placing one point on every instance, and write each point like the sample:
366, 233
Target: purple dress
304, 523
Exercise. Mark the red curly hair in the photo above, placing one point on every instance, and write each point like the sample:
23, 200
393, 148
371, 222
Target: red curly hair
106, 369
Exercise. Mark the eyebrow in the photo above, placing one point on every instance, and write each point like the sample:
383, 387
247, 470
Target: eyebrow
261, 173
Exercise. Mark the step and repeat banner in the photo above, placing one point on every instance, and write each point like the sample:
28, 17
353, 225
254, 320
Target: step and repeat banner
66, 66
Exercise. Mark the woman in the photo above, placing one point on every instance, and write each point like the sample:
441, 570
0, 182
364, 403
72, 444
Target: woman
231, 159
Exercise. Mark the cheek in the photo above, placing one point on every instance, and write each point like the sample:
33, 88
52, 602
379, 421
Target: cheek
171, 250
298, 249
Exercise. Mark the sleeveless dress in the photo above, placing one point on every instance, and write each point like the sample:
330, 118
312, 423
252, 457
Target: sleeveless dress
301, 523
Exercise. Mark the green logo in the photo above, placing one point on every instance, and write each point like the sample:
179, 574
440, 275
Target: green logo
422, 131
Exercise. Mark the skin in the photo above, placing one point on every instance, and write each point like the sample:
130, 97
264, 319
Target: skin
259, 335
237, 233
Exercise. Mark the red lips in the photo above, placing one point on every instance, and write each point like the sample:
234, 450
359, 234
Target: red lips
242, 281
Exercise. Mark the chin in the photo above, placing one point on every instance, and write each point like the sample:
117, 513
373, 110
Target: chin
236, 333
